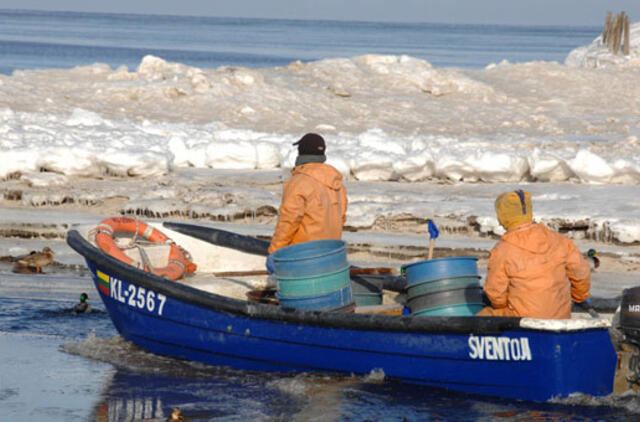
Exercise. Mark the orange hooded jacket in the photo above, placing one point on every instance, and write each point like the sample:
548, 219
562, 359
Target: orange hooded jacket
314, 206
535, 272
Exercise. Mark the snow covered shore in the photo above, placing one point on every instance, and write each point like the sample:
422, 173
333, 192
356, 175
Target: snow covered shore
385, 118
413, 142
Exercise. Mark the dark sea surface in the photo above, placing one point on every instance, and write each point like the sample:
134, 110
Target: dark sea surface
59, 366
35, 40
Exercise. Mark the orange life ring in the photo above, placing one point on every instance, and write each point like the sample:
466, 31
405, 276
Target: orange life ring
179, 263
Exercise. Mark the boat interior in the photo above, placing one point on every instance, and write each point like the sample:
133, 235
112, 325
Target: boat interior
239, 275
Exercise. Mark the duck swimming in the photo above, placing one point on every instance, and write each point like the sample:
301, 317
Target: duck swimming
82, 307
591, 253
34, 261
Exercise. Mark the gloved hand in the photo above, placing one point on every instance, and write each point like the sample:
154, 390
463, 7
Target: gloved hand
433, 230
270, 264
586, 305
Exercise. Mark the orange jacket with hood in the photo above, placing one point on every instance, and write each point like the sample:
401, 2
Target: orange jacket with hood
535, 272
314, 206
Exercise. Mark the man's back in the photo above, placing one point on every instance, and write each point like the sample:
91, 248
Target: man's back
314, 205
536, 272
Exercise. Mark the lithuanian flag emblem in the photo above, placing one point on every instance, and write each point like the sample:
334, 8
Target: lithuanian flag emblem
103, 282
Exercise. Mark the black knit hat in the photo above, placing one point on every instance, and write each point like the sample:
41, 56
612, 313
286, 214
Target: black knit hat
311, 144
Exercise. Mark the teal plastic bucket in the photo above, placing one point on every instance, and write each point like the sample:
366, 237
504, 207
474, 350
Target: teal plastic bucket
439, 268
310, 258
444, 287
339, 298
434, 286
292, 287
445, 298
461, 309
313, 275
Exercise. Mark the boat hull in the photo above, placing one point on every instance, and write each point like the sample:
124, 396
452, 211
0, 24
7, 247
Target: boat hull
489, 356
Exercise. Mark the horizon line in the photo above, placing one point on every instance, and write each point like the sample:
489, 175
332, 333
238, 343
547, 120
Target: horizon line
399, 22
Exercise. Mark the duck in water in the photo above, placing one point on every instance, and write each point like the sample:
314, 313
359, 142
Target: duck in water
82, 307
33, 262
595, 258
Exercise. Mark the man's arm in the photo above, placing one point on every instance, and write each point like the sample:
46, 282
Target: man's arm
343, 204
497, 284
291, 212
578, 272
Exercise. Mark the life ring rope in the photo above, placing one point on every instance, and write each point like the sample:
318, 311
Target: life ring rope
179, 262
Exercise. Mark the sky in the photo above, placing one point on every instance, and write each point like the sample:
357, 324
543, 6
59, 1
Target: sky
508, 12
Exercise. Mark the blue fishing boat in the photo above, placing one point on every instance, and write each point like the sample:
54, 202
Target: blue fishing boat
203, 318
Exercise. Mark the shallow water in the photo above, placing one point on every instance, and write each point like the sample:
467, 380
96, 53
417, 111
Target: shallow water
57, 366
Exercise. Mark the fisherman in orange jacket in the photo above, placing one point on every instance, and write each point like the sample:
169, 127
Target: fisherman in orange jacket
533, 271
314, 201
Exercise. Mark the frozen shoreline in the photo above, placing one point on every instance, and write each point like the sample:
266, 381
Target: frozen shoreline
384, 117
413, 142
383, 214
568, 135
38, 228
597, 213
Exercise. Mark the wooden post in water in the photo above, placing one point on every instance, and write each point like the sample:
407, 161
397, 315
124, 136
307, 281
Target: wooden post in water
626, 36
616, 33
623, 16
611, 34
607, 29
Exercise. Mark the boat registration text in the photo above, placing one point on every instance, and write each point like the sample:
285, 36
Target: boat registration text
130, 294
499, 348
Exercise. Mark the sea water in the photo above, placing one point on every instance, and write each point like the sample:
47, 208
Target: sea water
58, 366
36, 40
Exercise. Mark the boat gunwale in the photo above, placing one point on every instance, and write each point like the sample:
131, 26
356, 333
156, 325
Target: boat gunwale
350, 321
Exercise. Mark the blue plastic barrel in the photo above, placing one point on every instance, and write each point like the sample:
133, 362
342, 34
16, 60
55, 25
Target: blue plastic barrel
444, 287
445, 298
461, 309
433, 286
314, 284
313, 275
332, 300
440, 268
310, 258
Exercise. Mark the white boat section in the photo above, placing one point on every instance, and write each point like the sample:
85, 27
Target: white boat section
209, 258
576, 323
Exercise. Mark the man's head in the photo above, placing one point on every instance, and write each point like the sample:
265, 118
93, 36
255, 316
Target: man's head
514, 209
311, 144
